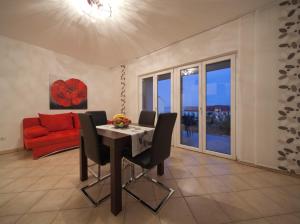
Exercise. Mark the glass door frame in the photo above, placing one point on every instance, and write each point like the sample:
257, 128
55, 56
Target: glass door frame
154, 100
177, 106
232, 59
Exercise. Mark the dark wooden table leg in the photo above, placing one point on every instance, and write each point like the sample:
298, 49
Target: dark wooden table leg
83, 161
116, 177
160, 169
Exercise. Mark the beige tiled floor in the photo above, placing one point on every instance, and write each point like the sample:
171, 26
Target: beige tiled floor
208, 190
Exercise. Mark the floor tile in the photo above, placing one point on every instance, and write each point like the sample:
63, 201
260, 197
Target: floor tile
236, 208
44, 183
75, 216
19, 185
276, 179
4, 198
288, 219
294, 190
37, 218
260, 202
77, 200
179, 172
68, 181
255, 221
9, 219
21, 203
255, 180
102, 215
208, 189
213, 184
206, 210
169, 214
234, 182
287, 202
199, 171
53, 200
191, 187
137, 213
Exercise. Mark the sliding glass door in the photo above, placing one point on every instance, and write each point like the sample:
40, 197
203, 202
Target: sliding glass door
203, 95
205, 101
218, 106
189, 107
164, 87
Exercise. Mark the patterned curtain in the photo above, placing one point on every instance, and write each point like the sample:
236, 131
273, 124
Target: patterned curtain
289, 86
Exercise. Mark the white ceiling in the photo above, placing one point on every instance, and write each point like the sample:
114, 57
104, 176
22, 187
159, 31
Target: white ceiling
136, 28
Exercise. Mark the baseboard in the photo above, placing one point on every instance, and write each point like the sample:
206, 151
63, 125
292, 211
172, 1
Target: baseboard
271, 169
6, 151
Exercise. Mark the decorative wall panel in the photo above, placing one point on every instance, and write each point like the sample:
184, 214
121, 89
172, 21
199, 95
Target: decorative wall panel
289, 86
123, 86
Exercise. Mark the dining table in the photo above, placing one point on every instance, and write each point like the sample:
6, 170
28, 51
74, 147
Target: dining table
116, 142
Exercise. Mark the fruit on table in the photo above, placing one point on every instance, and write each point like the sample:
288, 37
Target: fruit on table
120, 120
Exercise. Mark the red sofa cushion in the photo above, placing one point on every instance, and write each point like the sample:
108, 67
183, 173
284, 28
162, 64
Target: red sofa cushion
57, 122
53, 138
35, 131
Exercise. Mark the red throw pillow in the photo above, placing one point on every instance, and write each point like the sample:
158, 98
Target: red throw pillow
57, 122
35, 131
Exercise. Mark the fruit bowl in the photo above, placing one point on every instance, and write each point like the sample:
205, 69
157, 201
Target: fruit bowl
120, 121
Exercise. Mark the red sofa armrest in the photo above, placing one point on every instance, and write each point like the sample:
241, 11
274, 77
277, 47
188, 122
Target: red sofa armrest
29, 122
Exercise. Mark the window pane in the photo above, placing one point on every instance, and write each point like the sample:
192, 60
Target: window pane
218, 107
147, 98
189, 133
164, 93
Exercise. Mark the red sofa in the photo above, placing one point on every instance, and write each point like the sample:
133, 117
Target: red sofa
51, 133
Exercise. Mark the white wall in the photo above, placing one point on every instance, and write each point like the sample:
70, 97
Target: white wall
24, 86
253, 38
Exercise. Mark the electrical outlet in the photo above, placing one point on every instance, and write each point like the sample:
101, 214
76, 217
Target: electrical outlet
2, 138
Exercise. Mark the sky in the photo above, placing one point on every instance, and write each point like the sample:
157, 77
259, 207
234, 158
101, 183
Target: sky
217, 90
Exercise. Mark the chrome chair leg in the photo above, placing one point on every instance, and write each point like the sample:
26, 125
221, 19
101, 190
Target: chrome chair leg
92, 171
162, 202
99, 179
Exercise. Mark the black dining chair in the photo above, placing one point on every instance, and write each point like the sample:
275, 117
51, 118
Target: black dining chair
157, 154
99, 118
95, 151
147, 117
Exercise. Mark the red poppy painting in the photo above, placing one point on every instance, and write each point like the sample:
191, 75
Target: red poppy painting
69, 94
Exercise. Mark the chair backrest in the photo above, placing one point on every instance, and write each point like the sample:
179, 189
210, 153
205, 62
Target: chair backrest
91, 139
162, 137
147, 117
99, 117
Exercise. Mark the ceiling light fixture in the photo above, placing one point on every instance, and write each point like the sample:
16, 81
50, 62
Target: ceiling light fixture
100, 6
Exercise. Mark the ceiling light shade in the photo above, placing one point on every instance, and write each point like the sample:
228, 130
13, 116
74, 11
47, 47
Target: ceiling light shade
103, 6
93, 9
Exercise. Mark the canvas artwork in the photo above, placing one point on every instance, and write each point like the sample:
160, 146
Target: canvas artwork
67, 94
